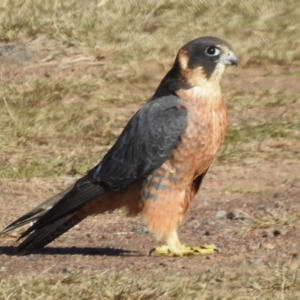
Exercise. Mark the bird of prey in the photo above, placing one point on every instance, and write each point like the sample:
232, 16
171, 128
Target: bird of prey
157, 164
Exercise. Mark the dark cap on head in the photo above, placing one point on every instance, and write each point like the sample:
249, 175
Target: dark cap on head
202, 58
206, 52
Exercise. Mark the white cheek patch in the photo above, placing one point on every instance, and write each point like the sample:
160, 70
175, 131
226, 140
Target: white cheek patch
184, 60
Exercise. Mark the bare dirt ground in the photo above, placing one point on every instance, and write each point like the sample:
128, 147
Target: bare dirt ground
113, 242
248, 205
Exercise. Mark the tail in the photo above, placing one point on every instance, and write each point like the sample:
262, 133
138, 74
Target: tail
37, 212
55, 217
48, 233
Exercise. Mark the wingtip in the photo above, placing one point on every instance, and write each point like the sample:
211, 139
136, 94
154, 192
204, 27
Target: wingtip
26, 219
37, 212
10, 227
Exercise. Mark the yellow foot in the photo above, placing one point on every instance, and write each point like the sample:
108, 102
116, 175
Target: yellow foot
184, 251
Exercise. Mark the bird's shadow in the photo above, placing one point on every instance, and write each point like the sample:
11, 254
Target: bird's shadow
12, 251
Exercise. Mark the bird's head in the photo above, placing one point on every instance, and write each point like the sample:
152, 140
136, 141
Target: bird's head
204, 59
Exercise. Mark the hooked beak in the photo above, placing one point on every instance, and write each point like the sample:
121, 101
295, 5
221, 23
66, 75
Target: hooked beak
229, 58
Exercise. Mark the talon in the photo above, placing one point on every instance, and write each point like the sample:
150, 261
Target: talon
151, 251
160, 251
205, 249
184, 251
212, 246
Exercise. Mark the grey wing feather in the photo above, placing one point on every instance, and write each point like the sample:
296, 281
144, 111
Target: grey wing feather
146, 143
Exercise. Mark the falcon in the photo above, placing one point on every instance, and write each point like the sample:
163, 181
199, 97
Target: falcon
157, 164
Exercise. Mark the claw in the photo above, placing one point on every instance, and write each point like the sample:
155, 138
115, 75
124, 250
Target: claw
184, 251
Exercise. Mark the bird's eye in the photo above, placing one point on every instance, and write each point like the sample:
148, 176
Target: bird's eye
212, 51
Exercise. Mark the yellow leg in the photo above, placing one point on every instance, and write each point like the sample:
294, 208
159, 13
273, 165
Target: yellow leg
175, 248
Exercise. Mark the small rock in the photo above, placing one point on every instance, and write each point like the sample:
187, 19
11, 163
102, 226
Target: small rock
254, 246
295, 184
265, 234
234, 215
31, 257
66, 270
255, 261
140, 229
221, 214
268, 246
279, 204
263, 208
70, 240
276, 195
251, 161
206, 222
276, 232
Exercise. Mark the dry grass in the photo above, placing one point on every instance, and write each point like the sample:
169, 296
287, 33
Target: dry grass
272, 281
123, 48
271, 218
260, 32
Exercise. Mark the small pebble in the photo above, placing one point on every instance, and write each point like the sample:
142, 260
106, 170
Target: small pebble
279, 204
140, 229
234, 215
255, 261
276, 232
221, 214
31, 257
268, 246
254, 246
206, 222
263, 208
66, 270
